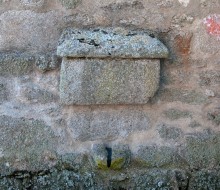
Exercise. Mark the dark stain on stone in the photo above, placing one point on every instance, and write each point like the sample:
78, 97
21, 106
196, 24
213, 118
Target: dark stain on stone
109, 156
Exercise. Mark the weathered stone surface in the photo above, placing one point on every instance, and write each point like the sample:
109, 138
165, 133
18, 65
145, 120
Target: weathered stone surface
115, 157
121, 156
67, 179
47, 62
4, 93
205, 180
159, 179
70, 4
103, 124
71, 161
97, 81
25, 145
186, 96
32, 3
100, 156
174, 114
29, 31
169, 132
109, 43
214, 116
153, 156
203, 150
210, 78
35, 94
194, 124
15, 64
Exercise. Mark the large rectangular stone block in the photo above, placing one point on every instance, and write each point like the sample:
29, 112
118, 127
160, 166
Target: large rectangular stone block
108, 81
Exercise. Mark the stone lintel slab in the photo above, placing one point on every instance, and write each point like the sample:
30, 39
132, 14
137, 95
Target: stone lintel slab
114, 43
108, 81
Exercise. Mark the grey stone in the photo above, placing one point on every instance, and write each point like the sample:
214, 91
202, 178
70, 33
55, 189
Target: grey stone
203, 150
174, 114
71, 161
169, 132
70, 4
194, 124
209, 78
26, 145
121, 156
4, 93
29, 31
103, 124
47, 62
35, 94
116, 43
186, 96
113, 157
155, 179
15, 64
205, 180
32, 3
97, 81
214, 116
154, 156
99, 156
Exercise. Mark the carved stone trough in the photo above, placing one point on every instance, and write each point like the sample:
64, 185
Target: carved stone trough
109, 66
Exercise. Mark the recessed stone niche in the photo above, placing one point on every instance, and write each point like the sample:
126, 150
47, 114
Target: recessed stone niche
109, 66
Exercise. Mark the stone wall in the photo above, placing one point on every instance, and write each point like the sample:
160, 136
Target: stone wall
170, 142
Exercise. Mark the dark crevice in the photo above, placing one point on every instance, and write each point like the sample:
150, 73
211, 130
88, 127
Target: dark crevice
109, 156
91, 42
131, 34
104, 32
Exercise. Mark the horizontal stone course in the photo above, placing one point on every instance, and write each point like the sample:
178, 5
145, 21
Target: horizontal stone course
97, 81
108, 42
111, 124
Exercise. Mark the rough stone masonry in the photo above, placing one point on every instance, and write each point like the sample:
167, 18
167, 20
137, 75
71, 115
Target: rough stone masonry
76, 119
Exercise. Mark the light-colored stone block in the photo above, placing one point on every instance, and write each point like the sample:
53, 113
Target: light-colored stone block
98, 81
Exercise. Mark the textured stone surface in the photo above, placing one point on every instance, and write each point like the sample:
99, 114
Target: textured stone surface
113, 157
25, 144
35, 94
205, 180
47, 62
169, 132
109, 43
203, 150
4, 93
15, 64
153, 156
103, 124
179, 155
174, 114
70, 4
186, 96
29, 31
214, 116
67, 179
96, 81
